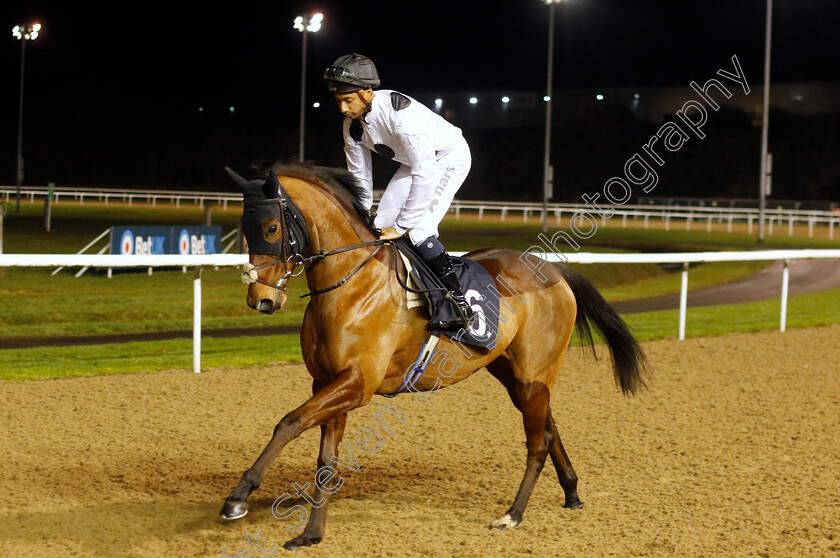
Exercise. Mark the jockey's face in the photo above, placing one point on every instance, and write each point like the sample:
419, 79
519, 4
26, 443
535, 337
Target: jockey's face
353, 104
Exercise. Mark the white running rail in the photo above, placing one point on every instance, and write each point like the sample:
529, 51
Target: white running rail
686, 216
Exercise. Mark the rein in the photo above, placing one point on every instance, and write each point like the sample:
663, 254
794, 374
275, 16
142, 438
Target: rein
249, 271
293, 243
295, 237
321, 255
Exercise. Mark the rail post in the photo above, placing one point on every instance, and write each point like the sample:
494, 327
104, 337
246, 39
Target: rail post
683, 300
2, 216
785, 281
208, 213
48, 207
197, 321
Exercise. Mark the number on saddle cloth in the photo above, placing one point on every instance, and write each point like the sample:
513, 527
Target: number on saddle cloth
479, 290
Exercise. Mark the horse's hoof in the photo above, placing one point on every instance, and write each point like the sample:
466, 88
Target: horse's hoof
575, 505
302, 540
505, 523
234, 510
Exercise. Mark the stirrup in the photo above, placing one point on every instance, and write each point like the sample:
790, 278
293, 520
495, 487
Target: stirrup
465, 312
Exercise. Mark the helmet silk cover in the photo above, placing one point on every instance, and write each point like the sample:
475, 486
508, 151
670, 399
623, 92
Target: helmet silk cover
351, 72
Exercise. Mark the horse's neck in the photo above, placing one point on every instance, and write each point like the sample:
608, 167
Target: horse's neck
330, 227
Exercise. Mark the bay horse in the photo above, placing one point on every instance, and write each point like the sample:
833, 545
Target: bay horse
359, 337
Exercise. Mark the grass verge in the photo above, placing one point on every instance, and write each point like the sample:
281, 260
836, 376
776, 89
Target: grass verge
811, 310
131, 358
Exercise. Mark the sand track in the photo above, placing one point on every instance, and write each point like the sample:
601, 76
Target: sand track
733, 451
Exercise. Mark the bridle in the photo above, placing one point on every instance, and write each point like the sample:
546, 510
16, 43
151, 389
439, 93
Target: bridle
293, 243
295, 237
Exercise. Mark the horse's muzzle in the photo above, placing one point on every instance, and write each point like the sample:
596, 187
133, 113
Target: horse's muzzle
266, 306
266, 299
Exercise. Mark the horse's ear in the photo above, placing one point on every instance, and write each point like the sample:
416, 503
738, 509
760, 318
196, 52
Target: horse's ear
240, 182
271, 188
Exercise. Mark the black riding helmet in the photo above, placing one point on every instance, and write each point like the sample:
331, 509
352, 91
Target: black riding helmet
351, 72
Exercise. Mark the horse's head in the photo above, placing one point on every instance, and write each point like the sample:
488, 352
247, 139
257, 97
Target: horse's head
276, 234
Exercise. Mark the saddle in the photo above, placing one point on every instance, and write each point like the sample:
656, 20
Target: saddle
479, 289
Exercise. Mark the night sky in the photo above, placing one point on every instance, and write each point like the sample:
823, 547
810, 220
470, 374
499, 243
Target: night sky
151, 63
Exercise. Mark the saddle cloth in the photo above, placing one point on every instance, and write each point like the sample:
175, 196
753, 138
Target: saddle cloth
478, 287
412, 300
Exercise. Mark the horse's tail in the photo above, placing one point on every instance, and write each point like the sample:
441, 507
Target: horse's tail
628, 357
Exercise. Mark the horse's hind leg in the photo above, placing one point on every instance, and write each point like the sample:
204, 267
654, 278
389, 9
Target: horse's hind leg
565, 473
532, 400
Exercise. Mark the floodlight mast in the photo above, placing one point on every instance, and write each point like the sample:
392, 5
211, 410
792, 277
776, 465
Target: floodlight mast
22, 33
764, 178
305, 25
547, 169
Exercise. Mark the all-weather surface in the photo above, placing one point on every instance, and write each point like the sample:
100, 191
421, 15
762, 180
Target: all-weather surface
732, 451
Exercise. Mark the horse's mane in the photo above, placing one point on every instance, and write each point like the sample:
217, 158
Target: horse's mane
339, 181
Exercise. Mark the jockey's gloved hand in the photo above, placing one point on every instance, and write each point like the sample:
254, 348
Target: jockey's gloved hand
390, 233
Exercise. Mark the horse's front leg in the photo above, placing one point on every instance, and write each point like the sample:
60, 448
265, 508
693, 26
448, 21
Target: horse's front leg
331, 434
343, 394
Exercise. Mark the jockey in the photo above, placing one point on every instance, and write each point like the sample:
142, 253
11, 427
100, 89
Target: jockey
434, 161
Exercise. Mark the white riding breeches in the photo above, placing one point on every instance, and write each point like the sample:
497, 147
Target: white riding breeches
451, 170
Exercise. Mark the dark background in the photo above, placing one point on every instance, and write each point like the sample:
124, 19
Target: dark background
112, 96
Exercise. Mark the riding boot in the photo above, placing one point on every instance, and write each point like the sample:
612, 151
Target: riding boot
442, 267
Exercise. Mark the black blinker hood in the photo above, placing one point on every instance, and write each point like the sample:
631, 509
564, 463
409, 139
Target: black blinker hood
266, 199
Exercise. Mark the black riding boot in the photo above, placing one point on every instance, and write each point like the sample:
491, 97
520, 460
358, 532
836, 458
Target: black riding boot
441, 265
